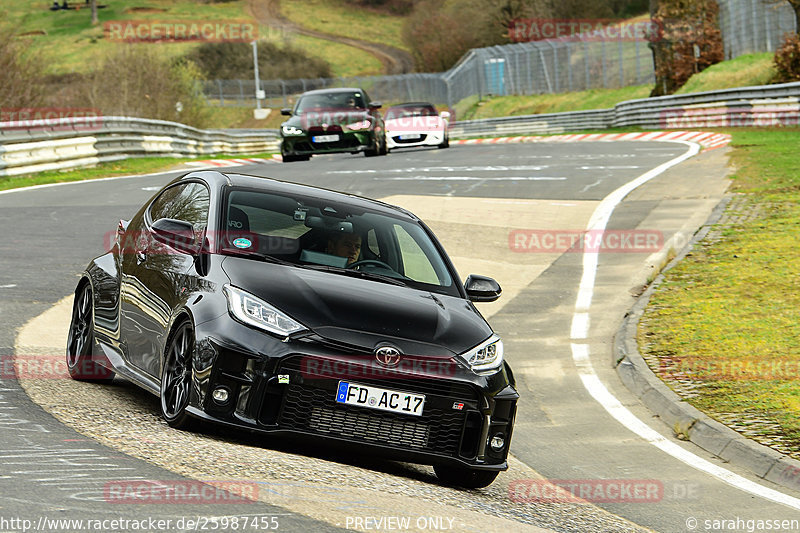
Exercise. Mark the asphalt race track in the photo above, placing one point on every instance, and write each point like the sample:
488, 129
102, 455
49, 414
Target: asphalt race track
63, 442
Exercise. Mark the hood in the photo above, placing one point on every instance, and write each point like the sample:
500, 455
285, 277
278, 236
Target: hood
329, 117
362, 312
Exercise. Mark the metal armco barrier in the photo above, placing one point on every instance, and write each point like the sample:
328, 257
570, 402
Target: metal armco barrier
37, 146
768, 105
72, 143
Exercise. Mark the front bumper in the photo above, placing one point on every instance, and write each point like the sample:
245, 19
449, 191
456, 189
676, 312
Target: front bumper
302, 402
348, 142
424, 138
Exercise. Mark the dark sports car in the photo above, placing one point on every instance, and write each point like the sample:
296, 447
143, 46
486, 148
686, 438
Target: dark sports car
332, 121
287, 309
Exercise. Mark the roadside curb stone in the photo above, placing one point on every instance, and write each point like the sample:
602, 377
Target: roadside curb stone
687, 422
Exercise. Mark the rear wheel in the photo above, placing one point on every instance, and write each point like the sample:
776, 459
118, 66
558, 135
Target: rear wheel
80, 341
176, 376
465, 477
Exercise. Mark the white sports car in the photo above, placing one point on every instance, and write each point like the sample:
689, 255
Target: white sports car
416, 124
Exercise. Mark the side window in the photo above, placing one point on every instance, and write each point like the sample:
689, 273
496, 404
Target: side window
372, 243
415, 263
188, 202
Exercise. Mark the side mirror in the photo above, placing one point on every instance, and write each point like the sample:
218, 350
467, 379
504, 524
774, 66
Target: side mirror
482, 289
286, 111
375, 105
177, 234
445, 115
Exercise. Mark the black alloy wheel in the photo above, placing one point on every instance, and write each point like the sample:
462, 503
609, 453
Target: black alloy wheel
176, 376
80, 341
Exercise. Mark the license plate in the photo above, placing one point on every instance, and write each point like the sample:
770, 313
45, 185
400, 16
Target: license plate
409, 136
324, 138
378, 398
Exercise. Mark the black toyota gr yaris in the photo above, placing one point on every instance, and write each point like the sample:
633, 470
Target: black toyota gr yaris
287, 309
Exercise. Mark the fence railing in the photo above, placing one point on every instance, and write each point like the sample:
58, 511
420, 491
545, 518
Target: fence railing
536, 67
769, 105
71, 143
750, 26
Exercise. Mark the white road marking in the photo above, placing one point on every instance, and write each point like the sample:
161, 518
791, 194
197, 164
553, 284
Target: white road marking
151, 188
9, 286
591, 185
474, 178
404, 170
596, 388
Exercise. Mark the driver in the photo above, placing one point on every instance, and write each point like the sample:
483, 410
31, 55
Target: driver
345, 245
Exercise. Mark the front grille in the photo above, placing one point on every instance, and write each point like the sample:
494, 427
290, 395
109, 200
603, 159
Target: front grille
313, 409
389, 380
399, 139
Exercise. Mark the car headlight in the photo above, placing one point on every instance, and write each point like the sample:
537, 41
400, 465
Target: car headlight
291, 130
255, 312
361, 125
488, 355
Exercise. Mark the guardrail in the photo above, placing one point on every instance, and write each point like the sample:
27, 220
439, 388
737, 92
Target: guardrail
71, 143
40, 145
768, 105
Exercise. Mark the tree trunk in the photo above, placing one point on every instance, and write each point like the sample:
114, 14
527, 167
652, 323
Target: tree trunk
657, 47
95, 20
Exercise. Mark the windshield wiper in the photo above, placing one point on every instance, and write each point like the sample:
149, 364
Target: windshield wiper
357, 274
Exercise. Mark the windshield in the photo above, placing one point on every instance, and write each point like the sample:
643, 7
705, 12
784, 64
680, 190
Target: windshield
332, 100
335, 237
411, 110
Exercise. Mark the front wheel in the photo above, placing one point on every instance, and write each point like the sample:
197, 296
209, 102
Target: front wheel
465, 477
176, 376
80, 341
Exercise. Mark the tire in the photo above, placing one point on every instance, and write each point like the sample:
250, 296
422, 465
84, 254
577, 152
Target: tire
80, 341
176, 376
465, 477
384, 146
445, 142
376, 150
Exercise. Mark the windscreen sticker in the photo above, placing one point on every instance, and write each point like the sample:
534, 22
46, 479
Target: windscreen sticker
242, 243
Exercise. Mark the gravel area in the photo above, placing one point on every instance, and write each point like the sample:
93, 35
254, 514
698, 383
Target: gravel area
322, 484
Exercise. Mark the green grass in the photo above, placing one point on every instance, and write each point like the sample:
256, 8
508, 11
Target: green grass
72, 44
506, 106
67, 42
734, 303
344, 60
143, 165
340, 17
750, 69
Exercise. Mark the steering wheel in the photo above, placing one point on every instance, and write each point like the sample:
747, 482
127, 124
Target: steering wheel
369, 262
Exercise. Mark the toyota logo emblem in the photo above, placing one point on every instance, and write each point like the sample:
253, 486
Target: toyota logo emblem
387, 356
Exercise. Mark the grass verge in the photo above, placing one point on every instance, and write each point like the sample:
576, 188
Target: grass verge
723, 330
340, 17
139, 165
506, 106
